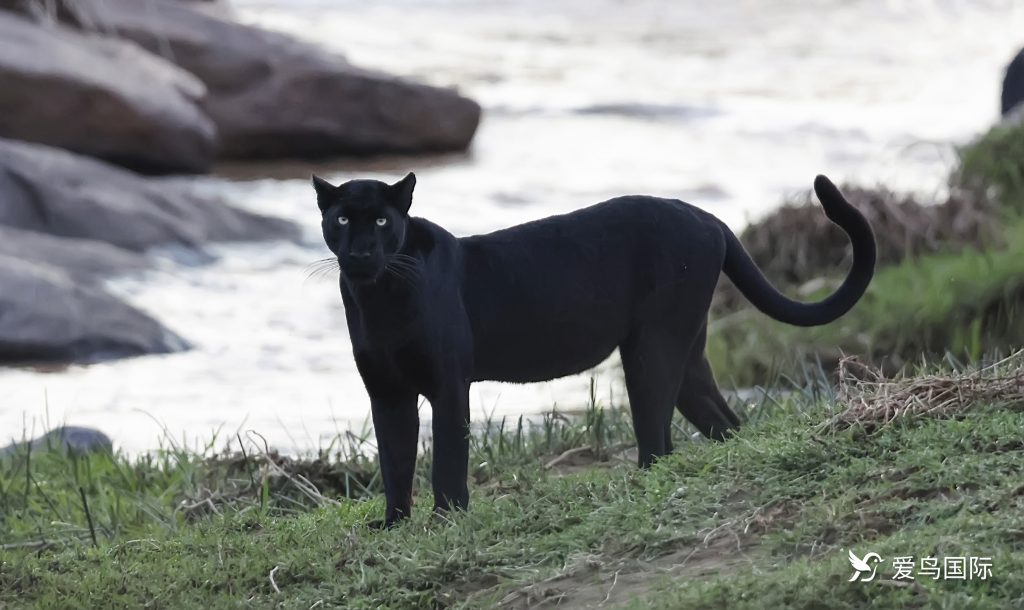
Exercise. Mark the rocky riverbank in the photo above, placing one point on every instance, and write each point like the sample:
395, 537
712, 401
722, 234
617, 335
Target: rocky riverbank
67, 223
98, 96
163, 87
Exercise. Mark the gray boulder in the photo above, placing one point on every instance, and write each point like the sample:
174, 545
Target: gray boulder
84, 260
46, 315
101, 97
44, 10
73, 439
66, 221
273, 96
55, 192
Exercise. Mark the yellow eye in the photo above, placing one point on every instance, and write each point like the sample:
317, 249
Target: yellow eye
342, 220
381, 222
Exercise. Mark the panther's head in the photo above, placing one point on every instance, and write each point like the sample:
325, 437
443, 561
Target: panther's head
364, 223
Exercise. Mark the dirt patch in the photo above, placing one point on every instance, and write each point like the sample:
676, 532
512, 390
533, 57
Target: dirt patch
581, 459
598, 581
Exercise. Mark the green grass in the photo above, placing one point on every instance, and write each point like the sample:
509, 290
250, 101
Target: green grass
41, 493
995, 161
965, 304
761, 521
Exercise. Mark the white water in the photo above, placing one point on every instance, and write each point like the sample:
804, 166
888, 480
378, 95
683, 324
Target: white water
730, 105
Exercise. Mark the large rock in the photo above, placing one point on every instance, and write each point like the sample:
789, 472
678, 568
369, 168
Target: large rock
52, 191
71, 12
44, 10
1013, 84
84, 260
100, 97
272, 96
46, 315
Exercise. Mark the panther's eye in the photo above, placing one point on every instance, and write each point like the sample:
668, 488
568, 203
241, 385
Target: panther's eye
381, 222
342, 220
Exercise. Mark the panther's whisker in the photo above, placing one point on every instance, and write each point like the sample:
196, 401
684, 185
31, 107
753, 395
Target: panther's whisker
411, 271
413, 281
402, 272
404, 280
403, 275
404, 257
322, 268
401, 264
324, 262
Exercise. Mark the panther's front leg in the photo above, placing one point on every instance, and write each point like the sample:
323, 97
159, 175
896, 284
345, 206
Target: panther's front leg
451, 447
396, 423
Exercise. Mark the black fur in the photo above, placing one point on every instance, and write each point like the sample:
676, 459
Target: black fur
429, 313
1013, 84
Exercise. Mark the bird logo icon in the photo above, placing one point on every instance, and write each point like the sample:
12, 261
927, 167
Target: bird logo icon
864, 569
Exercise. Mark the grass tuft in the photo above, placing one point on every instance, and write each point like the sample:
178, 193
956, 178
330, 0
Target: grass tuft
872, 401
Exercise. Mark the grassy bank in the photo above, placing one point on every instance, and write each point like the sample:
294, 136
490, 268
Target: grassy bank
966, 303
950, 279
994, 163
928, 466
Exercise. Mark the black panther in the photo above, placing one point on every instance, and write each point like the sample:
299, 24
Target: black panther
429, 313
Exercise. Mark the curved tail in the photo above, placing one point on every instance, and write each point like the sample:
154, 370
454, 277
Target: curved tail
759, 291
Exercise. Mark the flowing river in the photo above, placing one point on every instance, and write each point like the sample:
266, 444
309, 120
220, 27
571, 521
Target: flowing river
730, 105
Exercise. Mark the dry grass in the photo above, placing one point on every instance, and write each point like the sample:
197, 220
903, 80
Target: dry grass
874, 401
797, 246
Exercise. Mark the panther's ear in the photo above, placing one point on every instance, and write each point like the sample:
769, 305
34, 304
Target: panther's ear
402, 192
324, 192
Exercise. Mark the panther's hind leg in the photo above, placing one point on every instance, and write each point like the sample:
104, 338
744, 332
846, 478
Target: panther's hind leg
652, 357
699, 399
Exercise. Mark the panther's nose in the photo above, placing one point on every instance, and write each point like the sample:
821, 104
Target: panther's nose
360, 256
